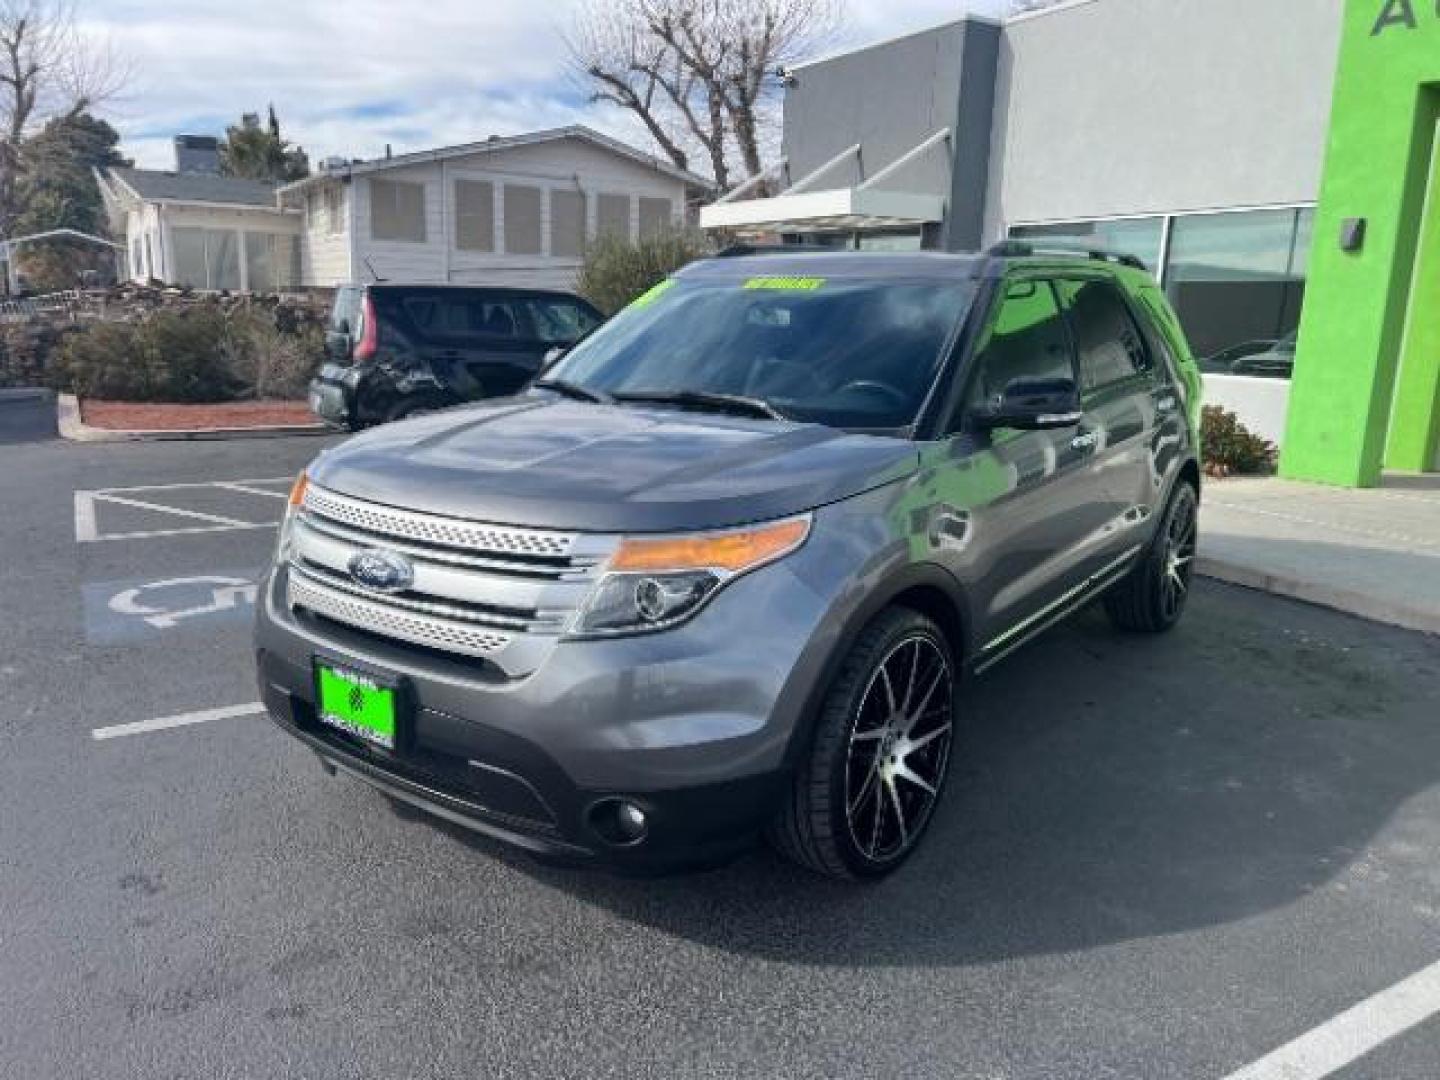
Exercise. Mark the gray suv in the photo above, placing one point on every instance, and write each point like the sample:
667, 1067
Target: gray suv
718, 573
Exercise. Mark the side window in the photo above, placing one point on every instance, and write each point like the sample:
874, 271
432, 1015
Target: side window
1108, 344
1027, 340
559, 321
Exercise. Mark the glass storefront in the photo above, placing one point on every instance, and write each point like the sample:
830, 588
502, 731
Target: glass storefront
1237, 279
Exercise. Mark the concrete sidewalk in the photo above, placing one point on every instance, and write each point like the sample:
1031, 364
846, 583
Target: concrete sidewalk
1373, 553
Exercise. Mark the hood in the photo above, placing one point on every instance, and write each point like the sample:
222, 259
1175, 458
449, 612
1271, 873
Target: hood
558, 464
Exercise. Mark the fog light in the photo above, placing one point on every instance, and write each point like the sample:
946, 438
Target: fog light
631, 819
618, 822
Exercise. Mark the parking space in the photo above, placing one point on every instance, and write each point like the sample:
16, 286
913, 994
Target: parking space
1161, 858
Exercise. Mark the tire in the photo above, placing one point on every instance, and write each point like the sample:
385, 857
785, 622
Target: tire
853, 812
1151, 599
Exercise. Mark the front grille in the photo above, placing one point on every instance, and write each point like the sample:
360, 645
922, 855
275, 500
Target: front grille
482, 590
387, 521
387, 621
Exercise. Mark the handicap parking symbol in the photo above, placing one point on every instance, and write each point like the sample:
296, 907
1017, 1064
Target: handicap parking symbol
134, 610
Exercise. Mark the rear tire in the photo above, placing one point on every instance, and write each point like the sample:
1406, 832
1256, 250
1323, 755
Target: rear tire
1152, 598
865, 793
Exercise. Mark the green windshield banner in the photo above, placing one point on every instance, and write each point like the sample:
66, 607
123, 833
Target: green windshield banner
785, 284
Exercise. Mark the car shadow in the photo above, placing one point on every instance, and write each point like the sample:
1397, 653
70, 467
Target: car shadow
1107, 788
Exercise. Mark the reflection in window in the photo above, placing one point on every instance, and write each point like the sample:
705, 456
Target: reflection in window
1141, 237
1237, 281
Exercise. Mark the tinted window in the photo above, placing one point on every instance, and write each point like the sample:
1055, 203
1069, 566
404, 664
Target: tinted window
850, 353
559, 321
1107, 341
1027, 340
462, 315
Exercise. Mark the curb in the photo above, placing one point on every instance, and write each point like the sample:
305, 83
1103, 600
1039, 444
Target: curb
1361, 605
75, 429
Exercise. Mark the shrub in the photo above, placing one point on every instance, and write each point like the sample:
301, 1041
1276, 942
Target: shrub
202, 353
615, 271
1227, 447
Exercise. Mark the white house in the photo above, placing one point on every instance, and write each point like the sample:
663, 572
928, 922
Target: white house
202, 230
517, 210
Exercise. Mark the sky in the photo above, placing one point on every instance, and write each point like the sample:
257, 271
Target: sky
348, 78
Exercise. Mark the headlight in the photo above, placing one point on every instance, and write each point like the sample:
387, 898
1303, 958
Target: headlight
656, 582
292, 507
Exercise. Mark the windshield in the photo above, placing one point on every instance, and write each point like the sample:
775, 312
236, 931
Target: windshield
857, 354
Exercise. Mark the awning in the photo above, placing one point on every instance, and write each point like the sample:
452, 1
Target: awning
826, 211
876, 202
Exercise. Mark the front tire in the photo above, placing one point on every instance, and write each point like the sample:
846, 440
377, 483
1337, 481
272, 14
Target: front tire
1152, 598
867, 791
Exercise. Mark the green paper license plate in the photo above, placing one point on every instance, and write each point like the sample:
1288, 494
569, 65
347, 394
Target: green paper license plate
357, 705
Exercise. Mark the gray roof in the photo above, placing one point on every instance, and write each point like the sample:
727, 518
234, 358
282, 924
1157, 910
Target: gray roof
196, 187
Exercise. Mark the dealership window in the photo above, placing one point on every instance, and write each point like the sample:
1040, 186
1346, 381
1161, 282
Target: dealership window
474, 215
523, 224
1141, 237
654, 216
1237, 281
567, 224
612, 214
397, 211
1235, 278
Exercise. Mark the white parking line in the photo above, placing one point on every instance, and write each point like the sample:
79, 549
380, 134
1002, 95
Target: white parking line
88, 532
163, 723
1348, 1037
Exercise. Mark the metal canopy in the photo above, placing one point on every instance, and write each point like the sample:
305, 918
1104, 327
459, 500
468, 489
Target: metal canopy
870, 205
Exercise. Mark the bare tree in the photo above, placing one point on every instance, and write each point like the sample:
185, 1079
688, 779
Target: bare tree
49, 69
700, 72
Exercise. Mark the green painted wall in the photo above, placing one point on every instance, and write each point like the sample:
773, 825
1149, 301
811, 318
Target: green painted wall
1358, 305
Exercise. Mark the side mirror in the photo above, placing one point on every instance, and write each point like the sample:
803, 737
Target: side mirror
1032, 404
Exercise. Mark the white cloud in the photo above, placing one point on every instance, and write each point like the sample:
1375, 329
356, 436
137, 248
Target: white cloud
348, 78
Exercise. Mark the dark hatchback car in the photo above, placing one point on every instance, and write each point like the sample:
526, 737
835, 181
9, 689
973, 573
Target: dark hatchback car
397, 350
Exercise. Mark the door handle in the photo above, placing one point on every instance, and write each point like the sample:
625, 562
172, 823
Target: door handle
1086, 441
1166, 405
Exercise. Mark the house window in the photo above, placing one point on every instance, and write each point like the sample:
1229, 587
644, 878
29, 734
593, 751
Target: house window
334, 210
205, 258
654, 216
269, 261
567, 224
137, 268
397, 211
522, 220
612, 213
474, 215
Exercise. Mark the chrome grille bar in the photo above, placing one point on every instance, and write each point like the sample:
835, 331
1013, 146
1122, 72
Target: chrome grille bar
468, 536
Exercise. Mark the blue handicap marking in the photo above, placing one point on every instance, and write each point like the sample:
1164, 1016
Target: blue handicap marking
140, 609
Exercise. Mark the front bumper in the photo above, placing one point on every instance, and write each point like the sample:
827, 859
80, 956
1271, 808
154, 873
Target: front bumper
692, 725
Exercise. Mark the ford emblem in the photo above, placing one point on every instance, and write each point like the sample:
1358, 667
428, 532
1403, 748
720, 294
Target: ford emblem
382, 571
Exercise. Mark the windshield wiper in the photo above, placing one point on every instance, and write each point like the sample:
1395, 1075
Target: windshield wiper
737, 404
574, 390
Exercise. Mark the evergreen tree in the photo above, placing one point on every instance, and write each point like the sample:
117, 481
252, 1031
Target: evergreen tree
256, 151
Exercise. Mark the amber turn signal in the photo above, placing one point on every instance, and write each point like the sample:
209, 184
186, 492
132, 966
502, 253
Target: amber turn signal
733, 551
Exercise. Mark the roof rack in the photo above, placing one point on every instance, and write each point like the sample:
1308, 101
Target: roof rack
1019, 249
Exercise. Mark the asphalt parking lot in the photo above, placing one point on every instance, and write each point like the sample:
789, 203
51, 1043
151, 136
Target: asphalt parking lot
1159, 858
